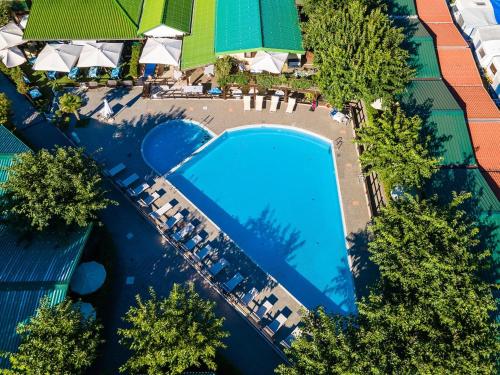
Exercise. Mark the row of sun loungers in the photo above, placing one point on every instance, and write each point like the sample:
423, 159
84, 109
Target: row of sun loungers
259, 101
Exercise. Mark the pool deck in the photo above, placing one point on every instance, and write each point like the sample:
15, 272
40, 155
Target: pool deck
120, 141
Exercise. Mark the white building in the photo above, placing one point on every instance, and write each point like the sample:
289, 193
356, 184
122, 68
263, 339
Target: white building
472, 14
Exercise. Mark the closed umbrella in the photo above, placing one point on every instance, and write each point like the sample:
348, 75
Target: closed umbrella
106, 111
57, 57
161, 51
10, 35
106, 55
271, 62
88, 277
12, 57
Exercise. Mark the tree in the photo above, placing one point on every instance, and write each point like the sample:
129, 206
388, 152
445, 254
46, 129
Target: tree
326, 347
223, 68
53, 188
357, 51
70, 103
5, 8
5, 104
167, 336
396, 149
57, 340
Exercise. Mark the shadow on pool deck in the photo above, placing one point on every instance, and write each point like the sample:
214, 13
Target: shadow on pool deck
264, 233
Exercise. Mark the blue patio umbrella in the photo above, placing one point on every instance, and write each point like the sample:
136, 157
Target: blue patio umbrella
86, 309
87, 278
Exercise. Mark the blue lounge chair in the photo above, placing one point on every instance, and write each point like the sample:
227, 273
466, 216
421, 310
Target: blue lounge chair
115, 73
52, 75
35, 93
32, 60
73, 73
93, 72
149, 70
215, 91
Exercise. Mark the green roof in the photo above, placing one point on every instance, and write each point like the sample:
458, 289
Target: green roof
451, 137
132, 8
198, 48
82, 19
251, 25
401, 7
175, 14
423, 96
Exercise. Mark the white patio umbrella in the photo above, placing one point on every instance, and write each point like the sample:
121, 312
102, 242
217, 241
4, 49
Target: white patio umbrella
87, 278
10, 35
161, 51
12, 57
106, 55
106, 111
271, 62
57, 57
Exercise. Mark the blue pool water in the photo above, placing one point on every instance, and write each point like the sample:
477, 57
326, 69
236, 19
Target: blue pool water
168, 144
274, 192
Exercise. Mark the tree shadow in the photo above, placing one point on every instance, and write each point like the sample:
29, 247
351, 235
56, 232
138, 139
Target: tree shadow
364, 271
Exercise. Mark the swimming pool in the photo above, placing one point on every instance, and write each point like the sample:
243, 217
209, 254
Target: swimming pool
273, 190
168, 144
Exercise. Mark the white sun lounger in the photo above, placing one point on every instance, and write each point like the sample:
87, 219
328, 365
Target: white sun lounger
203, 253
259, 101
216, 268
249, 296
161, 211
276, 324
115, 170
193, 242
172, 221
262, 310
275, 99
149, 199
230, 285
138, 189
291, 105
125, 183
183, 232
247, 102
287, 342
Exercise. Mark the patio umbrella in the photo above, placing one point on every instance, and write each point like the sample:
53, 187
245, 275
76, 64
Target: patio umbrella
86, 309
12, 57
10, 35
106, 55
271, 62
57, 57
161, 51
87, 278
106, 111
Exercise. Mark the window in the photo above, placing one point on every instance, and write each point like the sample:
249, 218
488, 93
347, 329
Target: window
249, 55
493, 69
481, 52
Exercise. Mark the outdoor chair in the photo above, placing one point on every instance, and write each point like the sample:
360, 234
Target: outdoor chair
193, 242
247, 99
149, 199
74, 73
183, 232
35, 93
93, 72
291, 105
262, 310
259, 102
274, 103
162, 210
115, 73
174, 220
52, 75
138, 189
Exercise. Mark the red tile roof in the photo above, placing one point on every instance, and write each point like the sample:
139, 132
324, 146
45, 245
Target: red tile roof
433, 11
446, 35
486, 138
458, 67
495, 182
477, 103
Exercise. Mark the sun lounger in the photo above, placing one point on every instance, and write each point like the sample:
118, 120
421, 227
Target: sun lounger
115, 73
230, 285
73, 73
138, 189
115, 170
193, 242
125, 183
291, 105
183, 232
172, 221
93, 72
276, 324
287, 342
249, 296
216, 268
203, 253
162, 210
262, 310
247, 102
274, 103
149, 199
259, 101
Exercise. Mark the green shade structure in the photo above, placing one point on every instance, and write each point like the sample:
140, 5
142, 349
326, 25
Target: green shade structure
88, 278
173, 16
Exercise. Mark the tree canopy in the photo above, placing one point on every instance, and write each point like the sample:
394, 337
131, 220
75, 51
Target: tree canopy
57, 340
47, 189
5, 104
170, 335
430, 311
357, 51
70, 103
396, 149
